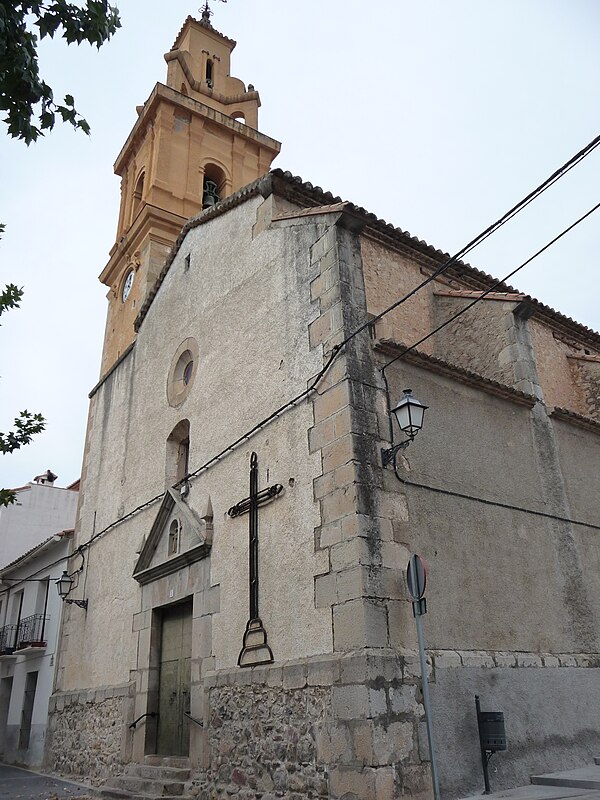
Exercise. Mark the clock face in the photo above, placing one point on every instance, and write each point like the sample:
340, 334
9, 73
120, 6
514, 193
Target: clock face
127, 286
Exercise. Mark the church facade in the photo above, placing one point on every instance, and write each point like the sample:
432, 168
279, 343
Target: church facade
240, 544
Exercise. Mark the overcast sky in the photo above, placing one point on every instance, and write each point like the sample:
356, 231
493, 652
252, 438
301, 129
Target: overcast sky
437, 115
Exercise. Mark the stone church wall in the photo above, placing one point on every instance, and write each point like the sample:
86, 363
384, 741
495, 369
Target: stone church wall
341, 726
86, 737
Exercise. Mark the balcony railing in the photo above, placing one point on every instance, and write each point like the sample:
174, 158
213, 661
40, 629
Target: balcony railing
8, 639
31, 632
28, 633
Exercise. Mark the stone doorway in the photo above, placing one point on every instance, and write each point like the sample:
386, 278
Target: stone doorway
174, 682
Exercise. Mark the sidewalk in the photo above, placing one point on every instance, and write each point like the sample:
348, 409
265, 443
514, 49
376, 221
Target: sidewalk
21, 783
534, 792
540, 793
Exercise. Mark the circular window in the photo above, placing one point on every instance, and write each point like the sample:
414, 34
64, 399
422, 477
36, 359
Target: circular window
127, 285
182, 372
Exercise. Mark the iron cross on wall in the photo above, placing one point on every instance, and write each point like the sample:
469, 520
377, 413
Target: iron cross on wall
255, 649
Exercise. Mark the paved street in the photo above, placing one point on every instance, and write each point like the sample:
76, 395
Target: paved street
20, 783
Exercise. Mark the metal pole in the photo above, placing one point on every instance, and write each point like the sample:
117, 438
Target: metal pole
484, 757
427, 705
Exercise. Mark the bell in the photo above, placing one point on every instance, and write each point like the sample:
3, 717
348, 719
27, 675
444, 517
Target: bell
211, 195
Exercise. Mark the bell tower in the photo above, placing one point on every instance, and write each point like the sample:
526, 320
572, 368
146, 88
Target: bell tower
194, 143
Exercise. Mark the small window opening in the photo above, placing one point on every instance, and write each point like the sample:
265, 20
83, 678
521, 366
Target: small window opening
178, 453
138, 194
174, 530
209, 73
187, 262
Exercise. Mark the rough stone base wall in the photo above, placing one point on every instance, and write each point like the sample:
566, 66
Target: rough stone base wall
343, 726
86, 734
262, 742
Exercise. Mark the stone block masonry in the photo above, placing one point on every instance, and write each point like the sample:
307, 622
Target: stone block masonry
88, 735
338, 726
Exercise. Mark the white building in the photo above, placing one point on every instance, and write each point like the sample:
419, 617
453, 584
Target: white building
30, 609
40, 509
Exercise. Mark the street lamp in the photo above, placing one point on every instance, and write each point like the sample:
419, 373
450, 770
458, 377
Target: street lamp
64, 585
409, 415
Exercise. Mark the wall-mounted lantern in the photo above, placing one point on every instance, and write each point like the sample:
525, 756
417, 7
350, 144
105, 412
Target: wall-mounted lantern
64, 585
409, 413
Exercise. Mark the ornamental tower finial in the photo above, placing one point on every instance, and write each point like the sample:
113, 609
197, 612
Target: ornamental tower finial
207, 12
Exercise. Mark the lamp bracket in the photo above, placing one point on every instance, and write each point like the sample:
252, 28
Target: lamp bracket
388, 455
81, 603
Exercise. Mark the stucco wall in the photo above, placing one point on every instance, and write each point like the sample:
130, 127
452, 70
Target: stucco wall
551, 722
247, 303
40, 512
494, 573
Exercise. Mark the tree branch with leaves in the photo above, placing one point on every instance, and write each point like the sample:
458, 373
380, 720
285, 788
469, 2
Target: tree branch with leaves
24, 95
26, 425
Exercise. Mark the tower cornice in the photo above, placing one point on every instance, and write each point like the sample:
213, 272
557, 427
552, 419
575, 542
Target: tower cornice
162, 93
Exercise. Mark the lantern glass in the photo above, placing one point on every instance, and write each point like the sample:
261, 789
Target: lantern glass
409, 414
64, 584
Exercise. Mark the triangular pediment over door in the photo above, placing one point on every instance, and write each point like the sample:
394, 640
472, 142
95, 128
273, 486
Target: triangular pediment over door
178, 537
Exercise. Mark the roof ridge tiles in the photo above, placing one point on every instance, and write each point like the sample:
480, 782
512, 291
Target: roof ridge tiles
306, 192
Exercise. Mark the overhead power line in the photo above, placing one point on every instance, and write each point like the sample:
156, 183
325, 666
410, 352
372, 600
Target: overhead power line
322, 372
551, 180
492, 287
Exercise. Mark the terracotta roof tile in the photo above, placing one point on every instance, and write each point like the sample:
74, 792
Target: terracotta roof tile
454, 371
577, 419
304, 193
25, 556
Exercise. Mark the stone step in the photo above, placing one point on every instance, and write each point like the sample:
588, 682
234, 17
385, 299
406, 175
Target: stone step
583, 778
157, 772
113, 793
133, 784
167, 761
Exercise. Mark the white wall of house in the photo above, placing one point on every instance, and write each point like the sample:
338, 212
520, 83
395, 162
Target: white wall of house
37, 617
39, 511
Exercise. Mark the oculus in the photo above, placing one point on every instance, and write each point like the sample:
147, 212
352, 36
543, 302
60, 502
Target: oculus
182, 373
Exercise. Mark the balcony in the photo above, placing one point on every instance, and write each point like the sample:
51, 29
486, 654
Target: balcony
30, 634
8, 640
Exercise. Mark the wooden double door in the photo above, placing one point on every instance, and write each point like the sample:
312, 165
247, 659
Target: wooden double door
173, 737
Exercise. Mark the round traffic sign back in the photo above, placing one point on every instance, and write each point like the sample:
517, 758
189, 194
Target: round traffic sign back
416, 577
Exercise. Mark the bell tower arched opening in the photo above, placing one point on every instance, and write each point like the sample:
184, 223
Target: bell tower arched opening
213, 186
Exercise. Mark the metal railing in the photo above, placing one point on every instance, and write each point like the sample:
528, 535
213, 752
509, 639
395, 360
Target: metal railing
31, 631
8, 639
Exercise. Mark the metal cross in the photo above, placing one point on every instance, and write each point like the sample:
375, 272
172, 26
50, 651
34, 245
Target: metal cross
207, 11
255, 639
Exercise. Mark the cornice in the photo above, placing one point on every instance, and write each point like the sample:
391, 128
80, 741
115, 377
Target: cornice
149, 216
304, 194
202, 88
111, 369
163, 93
579, 420
454, 372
